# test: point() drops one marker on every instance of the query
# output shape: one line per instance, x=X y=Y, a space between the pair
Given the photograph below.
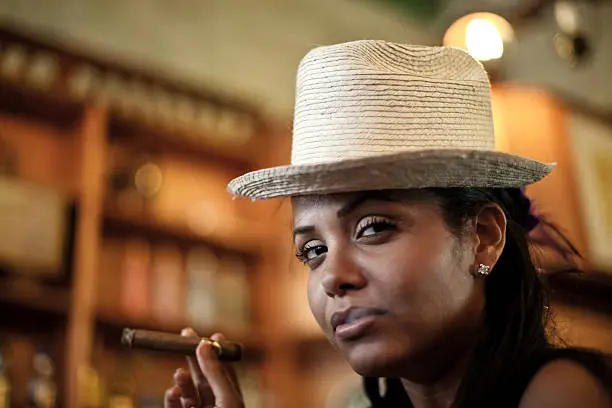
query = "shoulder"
x=565 y=383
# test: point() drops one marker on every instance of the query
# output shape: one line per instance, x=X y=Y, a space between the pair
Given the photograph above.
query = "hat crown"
x=368 y=98
x=374 y=115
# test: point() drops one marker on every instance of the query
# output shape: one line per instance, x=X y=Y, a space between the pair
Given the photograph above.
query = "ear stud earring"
x=483 y=270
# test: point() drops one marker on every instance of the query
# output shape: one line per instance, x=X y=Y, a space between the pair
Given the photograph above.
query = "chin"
x=375 y=359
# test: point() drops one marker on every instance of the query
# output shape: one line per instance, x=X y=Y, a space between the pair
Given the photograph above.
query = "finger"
x=196 y=373
x=189 y=395
x=229 y=368
x=224 y=390
x=204 y=394
x=172 y=398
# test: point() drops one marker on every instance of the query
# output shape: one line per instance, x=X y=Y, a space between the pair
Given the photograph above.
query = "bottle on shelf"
x=91 y=386
x=42 y=389
x=121 y=385
x=5 y=384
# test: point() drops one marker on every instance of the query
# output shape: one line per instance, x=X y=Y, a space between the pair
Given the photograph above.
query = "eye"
x=372 y=226
x=310 y=250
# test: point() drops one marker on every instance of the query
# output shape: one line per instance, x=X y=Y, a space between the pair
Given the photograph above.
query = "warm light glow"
x=481 y=34
x=567 y=16
x=483 y=40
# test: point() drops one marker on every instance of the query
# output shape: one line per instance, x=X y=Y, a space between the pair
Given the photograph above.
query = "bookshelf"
x=199 y=141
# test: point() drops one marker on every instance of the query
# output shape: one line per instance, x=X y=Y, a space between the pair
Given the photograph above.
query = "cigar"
x=177 y=344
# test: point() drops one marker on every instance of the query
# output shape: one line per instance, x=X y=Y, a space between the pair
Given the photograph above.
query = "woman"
x=415 y=232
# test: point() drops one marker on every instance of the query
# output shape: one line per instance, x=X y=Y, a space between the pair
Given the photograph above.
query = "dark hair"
x=516 y=312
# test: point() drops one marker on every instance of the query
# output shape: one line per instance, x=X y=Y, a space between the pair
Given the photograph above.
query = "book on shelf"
x=201 y=267
x=35 y=227
x=135 y=294
x=109 y=276
x=167 y=284
x=233 y=293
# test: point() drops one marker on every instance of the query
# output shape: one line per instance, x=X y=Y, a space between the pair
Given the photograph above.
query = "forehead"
x=321 y=200
x=309 y=203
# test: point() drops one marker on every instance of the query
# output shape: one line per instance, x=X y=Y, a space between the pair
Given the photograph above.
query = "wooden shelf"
x=157 y=139
x=59 y=103
x=118 y=222
x=82 y=53
x=32 y=294
x=22 y=101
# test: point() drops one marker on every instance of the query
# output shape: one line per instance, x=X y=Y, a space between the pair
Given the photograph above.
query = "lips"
x=353 y=314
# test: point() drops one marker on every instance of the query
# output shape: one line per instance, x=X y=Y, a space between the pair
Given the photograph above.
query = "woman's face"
x=389 y=283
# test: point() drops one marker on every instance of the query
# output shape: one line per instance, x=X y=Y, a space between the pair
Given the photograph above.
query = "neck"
x=440 y=391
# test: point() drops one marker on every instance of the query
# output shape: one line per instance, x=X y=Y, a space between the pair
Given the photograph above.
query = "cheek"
x=424 y=275
x=317 y=300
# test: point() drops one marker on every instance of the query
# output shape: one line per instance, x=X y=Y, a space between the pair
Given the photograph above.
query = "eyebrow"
x=347 y=209
x=303 y=230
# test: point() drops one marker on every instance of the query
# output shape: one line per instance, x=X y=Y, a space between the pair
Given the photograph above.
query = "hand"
x=208 y=383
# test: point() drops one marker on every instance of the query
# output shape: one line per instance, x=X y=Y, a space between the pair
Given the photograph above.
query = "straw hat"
x=374 y=115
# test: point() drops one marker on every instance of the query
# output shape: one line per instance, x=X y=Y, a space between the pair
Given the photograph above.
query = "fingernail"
x=186 y=331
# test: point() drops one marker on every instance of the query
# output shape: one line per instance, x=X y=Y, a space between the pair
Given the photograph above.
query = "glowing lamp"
x=482 y=35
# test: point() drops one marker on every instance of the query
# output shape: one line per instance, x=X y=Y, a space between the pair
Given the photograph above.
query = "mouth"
x=354 y=322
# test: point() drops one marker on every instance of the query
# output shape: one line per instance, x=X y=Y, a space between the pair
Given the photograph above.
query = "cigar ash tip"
x=127 y=337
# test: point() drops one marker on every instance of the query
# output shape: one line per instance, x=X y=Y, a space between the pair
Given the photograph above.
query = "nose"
x=342 y=274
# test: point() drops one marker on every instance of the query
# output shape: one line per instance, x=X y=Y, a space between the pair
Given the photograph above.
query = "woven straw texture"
x=372 y=115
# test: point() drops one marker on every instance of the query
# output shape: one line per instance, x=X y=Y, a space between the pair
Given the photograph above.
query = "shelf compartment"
x=31 y=294
x=20 y=100
x=119 y=222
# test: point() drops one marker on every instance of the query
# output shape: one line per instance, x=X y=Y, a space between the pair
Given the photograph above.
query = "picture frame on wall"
x=591 y=146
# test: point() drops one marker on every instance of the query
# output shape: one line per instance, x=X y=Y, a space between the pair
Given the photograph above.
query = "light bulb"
x=482 y=35
x=483 y=40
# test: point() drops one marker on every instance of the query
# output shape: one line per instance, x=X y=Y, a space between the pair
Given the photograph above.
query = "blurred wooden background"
x=129 y=225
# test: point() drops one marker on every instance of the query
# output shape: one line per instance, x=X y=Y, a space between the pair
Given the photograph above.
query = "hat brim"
x=405 y=170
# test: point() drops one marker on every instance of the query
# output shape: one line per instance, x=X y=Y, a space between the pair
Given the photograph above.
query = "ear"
x=490 y=227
